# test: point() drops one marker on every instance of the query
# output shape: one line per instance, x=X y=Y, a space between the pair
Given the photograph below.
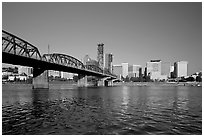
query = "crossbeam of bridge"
x=17 y=51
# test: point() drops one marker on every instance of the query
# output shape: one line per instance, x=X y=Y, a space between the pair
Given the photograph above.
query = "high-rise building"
x=154 y=69
x=133 y=70
x=172 y=75
x=117 y=70
x=181 y=69
x=124 y=70
x=130 y=71
x=140 y=73
x=165 y=68
x=109 y=62
x=100 y=55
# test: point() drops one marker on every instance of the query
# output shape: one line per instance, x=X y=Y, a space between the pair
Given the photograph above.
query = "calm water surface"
x=102 y=110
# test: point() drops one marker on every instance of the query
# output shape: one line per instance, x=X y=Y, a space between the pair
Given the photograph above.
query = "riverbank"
x=68 y=85
x=159 y=84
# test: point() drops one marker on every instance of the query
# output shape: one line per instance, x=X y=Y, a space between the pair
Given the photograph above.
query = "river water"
x=116 y=110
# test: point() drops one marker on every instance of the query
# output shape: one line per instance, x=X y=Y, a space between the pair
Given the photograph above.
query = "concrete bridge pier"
x=105 y=82
x=40 y=79
x=110 y=83
x=82 y=81
x=101 y=82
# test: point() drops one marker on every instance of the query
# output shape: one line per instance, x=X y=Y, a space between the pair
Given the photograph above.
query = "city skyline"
x=133 y=32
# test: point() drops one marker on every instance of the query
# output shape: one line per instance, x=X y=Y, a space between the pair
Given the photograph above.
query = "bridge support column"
x=110 y=83
x=101 y=82
x=82 y=81
x=40 y=79
x=105 y=82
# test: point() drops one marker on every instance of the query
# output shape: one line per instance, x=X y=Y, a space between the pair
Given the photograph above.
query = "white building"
x=124 y=70
x=54 y=73
x=27 y=70
x=181 y=69
x=154 y=69
x=67 y=75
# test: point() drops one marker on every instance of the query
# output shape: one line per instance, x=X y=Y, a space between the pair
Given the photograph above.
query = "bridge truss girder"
x=17 y=46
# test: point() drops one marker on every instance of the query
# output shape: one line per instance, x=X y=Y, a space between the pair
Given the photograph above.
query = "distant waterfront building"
x=109 y=62
x=172 y=72
x=100 y=54
x=124 y=70
x=117 y=70
x=140 y=73
x=134 y=70
x=92 y=62
x=130 y=71
x=86 y=59
x=27 y=70
x=67 y=75
x=181 y=69
x=54 y=73
x=165 y=69
x=154 y=69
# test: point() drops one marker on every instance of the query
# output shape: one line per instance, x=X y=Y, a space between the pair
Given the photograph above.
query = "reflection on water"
x=102 y=110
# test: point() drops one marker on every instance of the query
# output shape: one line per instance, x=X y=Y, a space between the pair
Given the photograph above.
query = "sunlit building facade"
x=154 y=69
x=181 y=69
x=134 y=70
x=124 y=70
x=117 y=70
x=109 y=62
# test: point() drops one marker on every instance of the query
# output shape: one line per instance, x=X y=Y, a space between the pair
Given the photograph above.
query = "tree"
x=127 y=79
x=198 y=79
x=190 y=79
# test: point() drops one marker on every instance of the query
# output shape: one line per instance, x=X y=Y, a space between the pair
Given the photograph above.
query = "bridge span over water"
x=17 y=51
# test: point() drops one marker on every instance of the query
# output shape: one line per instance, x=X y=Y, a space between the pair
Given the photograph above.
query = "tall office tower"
x=117 y=70
x=165 y=68
x=124 y=70
x=100 y=55
x=140 y=73
x=154 y=69
x=130 y=71
x=109 y=62
x=145 y=72
x=133 y=70
x=172 y=75
x=181 y=69
x=136 y=70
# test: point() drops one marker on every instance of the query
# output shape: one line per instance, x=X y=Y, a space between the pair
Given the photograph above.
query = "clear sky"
x=133 y=32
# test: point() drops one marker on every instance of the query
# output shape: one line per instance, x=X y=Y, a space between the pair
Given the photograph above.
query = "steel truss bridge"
x=17 y=51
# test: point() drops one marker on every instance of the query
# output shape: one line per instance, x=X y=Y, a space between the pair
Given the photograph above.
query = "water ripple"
x=111 y=112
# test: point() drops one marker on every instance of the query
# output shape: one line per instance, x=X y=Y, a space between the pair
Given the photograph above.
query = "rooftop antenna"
x=48 y=49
